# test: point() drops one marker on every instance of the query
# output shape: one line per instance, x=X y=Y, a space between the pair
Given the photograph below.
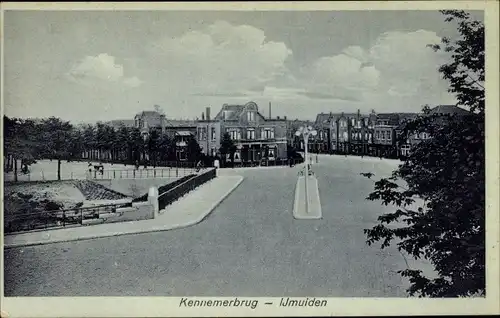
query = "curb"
x=153 y=229
x=297 y=200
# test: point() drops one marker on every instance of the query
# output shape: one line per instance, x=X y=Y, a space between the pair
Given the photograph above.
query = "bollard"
x=153 y=200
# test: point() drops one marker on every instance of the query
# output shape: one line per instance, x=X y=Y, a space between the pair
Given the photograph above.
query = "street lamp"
x=306 y=132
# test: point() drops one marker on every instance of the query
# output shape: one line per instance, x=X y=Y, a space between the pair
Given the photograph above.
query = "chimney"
x=202 y=116
x=207 y=110
x=269 y=110
x=285 y=117
x=277 y=117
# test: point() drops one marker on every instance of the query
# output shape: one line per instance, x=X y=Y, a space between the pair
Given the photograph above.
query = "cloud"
x=221 y=58
x=94 y=70
x=397 y=67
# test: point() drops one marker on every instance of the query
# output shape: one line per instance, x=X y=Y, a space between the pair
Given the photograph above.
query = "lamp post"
x=306 y=132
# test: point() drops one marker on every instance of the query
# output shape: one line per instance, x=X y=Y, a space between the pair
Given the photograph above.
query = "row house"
x=255 y=136
x=293 y=126
x=406 y=142
x=384 y=135
x=361 y=133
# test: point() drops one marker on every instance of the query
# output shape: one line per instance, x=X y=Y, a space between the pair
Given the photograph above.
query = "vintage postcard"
x=250 y=159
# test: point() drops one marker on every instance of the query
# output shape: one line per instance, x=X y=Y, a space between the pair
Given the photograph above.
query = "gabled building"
x=362 y=128
x=256 y=137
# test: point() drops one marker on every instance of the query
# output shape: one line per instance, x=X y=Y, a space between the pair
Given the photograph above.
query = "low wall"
x=138 y=211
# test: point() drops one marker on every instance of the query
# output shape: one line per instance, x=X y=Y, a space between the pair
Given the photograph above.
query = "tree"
x=227 y=146
x=20 y=142
x=57 y=139
x=89 y=140
x=153 y=146
x=136 y=143
x=446 y=173
x=193 y=150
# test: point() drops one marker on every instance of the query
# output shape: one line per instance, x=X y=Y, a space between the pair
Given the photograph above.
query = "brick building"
x=255 y=136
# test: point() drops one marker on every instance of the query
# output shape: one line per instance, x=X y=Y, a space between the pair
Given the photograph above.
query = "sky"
x=87 y=66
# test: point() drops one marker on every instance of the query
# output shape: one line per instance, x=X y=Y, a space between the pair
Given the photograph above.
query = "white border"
x=169 y=306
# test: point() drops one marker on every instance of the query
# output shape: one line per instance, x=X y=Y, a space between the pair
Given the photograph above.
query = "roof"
x=235 y=110
x=179 y=123
x=393 y=118
x=323 y=118
x=448 y=110
x=148 y=113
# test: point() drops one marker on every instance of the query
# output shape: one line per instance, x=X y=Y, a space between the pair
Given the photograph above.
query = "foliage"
x=193 y=150
x=447 y=173
x=227 y=147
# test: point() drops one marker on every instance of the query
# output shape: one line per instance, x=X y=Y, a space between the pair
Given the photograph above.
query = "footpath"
x=187 y=211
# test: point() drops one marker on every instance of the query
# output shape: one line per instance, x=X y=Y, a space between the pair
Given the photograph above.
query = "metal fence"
x=140 y=173
x=56 y=218
x=180 y=190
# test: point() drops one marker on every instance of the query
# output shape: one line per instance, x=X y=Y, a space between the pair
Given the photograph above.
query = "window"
x=345 y=135
x=251 y=134
x=383 y=135
x=251 y=116
x=370 y=137
x=214 y=134
x=389 y=137
x=267 y=133
x=377 y=134
x=353 y=122
x=204 y=133
x=234 y=134
x=213 y=152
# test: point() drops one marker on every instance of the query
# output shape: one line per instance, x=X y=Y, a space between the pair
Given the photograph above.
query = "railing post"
x=114 y=174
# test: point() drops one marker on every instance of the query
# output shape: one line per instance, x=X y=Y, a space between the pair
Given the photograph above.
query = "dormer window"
x=251 y=116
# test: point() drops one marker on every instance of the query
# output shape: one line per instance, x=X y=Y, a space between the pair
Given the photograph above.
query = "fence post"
x=134 y=174
x=81 y=216
x=64 y=218
x=154 y=173
x=114 y=174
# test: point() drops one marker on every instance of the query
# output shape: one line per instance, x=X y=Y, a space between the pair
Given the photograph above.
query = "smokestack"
x=207 y=110
x=270 y=110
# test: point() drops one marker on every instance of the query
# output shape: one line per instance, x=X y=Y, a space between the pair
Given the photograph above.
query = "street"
x=249 y=246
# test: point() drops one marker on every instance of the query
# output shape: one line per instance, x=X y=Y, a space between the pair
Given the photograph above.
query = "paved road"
x=249 y=246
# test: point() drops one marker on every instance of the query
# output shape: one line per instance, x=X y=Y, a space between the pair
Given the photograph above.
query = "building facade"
x=209 y=134
x=255 y=136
